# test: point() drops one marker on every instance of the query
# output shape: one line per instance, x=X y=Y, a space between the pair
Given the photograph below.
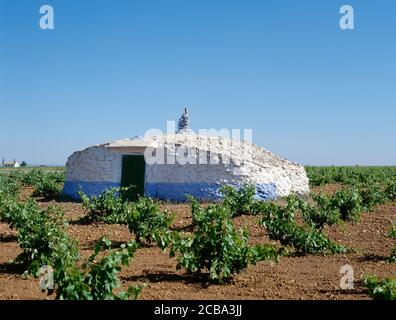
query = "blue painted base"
x=179 y=191
x=167 y=191
x=201 y=191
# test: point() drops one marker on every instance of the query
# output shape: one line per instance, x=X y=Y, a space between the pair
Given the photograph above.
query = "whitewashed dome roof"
x=233 y=148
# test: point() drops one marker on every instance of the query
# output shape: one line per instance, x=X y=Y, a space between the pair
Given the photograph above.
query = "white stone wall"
x=177 y=173
x=94 y=164
x=103 y=164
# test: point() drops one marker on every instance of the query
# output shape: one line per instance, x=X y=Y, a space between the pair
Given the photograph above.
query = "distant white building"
x=13 y=164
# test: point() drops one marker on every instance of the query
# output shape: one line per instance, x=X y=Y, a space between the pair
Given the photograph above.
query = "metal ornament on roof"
x=183 y=125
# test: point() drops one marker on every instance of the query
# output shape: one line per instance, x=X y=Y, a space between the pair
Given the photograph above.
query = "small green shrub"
x=48 y=188
x=95 y=280
x=217 y=247
x=390 y=191
x=281 y=226
x=9 y=186
x=195 y=209
x=372 y=194
x=349 y=204
x=9 y=207
x=148 y=222
x=272 y=210
x=239 y=200
x=32 y=177
x=39 y=234
x=107 y=207
x=392 y=234
x=381 y=289
x=46 y=184
x=319 y=215
x=143 y=217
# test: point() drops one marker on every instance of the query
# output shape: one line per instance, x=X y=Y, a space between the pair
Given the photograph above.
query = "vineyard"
x=106 y=247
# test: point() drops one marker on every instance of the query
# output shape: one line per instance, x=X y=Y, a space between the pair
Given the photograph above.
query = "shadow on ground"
x=12 y=268
x=201 y=279
x=8 y=238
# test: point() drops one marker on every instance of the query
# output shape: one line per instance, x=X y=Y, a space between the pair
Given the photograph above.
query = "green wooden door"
x=132 y=175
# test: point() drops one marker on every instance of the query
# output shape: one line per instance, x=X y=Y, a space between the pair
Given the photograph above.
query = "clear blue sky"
x=310 y=91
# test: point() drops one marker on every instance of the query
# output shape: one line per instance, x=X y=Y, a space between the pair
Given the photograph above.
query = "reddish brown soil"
x=328 y=188
x=295 y=277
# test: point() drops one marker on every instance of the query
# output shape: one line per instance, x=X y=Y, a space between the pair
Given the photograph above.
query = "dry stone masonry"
x=172 y=166
x=228 y=162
